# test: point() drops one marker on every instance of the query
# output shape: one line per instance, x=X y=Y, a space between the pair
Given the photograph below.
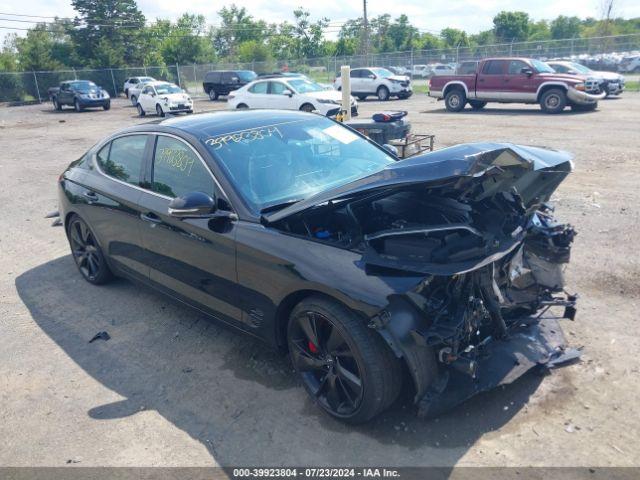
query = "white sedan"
x=162 y=98
x=133 y=85
x=292 y=93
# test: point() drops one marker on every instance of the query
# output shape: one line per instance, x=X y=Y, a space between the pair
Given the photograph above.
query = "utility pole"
x=366 y=32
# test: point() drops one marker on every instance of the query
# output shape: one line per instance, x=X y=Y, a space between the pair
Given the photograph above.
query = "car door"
x=277 y=98
x=258 y=95
x=519 y=86
x=192 y=259
x=490 y=80
x=65 y=94
x=356 y=80
x=147 y=98
x=110 y=201
x=367 y=81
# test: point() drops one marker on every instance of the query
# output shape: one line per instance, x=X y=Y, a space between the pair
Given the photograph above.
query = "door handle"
x=150 y=217
x=91 y=196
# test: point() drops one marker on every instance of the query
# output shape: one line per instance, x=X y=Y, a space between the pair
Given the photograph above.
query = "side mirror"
x=192 y=205
x=572 y=72
x=372 y=76
x=527 y=71
x=153 y=94
x=288 y=93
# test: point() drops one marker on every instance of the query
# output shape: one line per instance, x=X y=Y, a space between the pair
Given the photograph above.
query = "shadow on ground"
x=228 y=391
x=507 y=111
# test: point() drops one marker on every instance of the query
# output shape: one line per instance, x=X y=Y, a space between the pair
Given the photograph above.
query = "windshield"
x=283 y=162
x=382 y=72
x=84 y=86
x=580 y=68
x=146 y=79
x=246 y=75
x=166 y=88
x=301 y=85
x=542 y=67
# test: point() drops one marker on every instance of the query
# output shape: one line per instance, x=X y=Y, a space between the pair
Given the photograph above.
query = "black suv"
x=221 y=82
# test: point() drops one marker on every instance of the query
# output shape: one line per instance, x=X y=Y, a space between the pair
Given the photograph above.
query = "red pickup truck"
x=516 y=80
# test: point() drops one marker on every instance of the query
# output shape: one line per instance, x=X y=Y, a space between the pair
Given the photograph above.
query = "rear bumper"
x=578 y=97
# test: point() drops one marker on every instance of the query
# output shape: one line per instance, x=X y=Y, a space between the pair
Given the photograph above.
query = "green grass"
x=421 y=88
x=633 y=86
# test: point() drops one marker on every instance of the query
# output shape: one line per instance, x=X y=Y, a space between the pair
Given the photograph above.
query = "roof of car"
x=227 y=121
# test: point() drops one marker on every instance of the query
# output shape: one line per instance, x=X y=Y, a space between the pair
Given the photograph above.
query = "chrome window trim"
x=146 y=190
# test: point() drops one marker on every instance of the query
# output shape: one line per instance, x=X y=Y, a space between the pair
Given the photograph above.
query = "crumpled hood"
x=400 y=78
x=608 y=75
x=465 y=160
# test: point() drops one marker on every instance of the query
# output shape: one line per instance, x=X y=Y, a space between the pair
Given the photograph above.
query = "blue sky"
x=470 y=15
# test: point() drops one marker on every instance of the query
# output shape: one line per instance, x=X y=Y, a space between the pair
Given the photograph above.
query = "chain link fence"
x=597 y=52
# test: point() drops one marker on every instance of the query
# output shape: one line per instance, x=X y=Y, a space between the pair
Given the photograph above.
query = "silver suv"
x=377 y=81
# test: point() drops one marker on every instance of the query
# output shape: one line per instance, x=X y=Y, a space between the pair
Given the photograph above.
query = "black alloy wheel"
x=86 y=252
x=346 y=367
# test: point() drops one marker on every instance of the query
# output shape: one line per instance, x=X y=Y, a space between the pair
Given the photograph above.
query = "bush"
x=11 y=87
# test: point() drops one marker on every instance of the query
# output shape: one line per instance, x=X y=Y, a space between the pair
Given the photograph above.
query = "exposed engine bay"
x=485 y=239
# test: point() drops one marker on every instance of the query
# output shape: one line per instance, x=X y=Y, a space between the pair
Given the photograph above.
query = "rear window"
x=246 y=75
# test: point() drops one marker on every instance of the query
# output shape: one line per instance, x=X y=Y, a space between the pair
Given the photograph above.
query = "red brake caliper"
x=312 y=347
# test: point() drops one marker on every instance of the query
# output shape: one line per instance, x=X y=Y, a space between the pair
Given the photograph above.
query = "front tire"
x=553 y=101
x=159 y=110
x=213 y=95
x=307 y=107
x=242 y=106
x=383 y=93
x=454 y=100
x=141 y=111
x=362 y=98
x=346 y=367
x=87 y=253
x=106 y=106
x=134 y=100
x=56 y=104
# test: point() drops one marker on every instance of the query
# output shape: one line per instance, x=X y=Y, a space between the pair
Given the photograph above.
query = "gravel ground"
x=172 y=388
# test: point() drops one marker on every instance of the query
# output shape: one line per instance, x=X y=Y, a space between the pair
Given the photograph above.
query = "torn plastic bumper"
x=530 y=344
x=583 y=98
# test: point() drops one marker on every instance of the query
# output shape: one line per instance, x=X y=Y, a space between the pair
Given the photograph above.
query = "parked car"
x=610 y=82
x=422 y=71
x=134 y=90
x=289 y=93
x=468 y=67
x=377 y=81
x=441 y=69
x=516 y=80
x=79 y=94
x=299 y=231
x=221 y=82
x=135 y=83
x=162 y=98
x=630 y=64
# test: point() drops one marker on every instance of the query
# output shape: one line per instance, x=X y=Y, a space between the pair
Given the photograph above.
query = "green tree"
x=511 y=26
x=539 y=31
x=187 y=41
x=9 y=54
x=35 y=50
x=402 y=33
x=253 y=50
x=237 y=26
x=452 y=37
x=565 y=27
x=116 y=23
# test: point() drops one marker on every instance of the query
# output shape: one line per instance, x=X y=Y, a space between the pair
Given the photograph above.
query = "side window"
x=277 y=88
x=516 y=66
x=493 y=67
x=560 y=68
x=365 y=73
x=227 y=77
x=355 y=73
x=214 y=77
x=134 y=81
x=123 y=157
x=177 y=170
x=260 y=87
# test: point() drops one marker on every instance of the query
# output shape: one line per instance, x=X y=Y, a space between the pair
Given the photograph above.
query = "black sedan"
x=369 y=271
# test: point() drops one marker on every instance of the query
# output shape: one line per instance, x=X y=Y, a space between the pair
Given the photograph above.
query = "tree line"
x=115 y=33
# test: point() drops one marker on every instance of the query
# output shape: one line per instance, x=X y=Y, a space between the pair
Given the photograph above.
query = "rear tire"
x=362 y=98
x=455 y=100
x=553 y=101
x=87 y=253
x=141 y=111
x=347 y=369
x=56 y=104
x=134 y=100
x=383 y=93
x=307 y=107
x=242 y=106
x=213 y=95
x=477 y=104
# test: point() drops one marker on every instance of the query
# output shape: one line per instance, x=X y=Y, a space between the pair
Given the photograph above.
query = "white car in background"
x=133 y=85
x=442 y=69
x=289 y=93
x=162 y=98
x=377 y=81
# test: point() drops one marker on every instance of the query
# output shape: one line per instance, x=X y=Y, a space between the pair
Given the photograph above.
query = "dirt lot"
x=173 y=388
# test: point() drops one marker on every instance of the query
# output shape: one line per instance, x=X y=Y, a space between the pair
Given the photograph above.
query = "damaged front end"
x=475 y=223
